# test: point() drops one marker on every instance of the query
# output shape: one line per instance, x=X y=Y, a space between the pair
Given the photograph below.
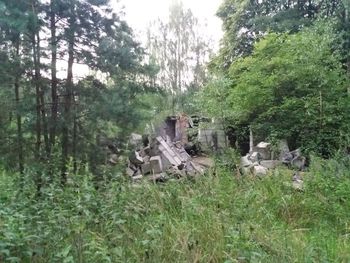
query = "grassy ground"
x=216 y=218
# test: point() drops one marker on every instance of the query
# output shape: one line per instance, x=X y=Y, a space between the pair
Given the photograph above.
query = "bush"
x=219 y=218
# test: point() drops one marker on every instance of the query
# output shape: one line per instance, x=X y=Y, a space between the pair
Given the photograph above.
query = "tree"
x=13 y=27
x=293 y=86
x=245 y=21
x=47 y=111
x=179 y=50
x=52 y=11
x=90 y=29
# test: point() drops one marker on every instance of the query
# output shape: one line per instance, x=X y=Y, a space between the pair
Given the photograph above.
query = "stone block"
x=255 y=157
x=298 y=162
x=146 y=168
x=264 y=149
x=137 y=177
x=135 y=139
x=135 y=158
x=283 y=146
x=270 y=164
x=247 y=170
x=245 y=162
x=296 y=153
x=156 y=164
x=130 y=172
x=286 y=157
x=212 y=138
x=264 y=145
x=260 y=170
x=113 y=159
x=145 y=151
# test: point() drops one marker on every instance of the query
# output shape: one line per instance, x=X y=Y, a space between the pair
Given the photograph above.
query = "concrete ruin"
x=165 y=156
x=261 y=159
x=170 y=152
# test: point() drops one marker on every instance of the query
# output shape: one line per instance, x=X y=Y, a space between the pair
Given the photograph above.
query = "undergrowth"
x=215 y=218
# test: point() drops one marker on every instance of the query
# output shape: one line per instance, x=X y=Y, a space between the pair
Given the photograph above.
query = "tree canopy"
x=245 y=21
x=51 y=116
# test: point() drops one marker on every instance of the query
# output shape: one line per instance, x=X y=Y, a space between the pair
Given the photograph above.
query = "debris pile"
x=166 y=152
x=161 y=160
x=260 y=159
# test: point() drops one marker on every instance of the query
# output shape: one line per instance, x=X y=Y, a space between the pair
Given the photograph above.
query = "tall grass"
x=215 y=218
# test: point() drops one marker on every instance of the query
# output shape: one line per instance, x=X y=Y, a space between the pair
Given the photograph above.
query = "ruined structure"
x=165 y=154
x=261 y=158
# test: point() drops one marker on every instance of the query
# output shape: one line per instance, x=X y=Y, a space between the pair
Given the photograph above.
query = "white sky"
x=139 y=13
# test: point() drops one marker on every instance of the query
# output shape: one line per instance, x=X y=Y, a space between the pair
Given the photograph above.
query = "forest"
x=76 y=82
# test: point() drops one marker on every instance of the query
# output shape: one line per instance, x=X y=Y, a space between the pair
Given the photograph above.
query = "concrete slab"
x=270 y=164
x=146 y=168
x=156 y=164
x=260 y=170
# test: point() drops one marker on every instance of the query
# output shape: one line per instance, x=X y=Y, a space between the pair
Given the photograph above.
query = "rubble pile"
x=261 y=159
x=165 y=153
x=161 y=160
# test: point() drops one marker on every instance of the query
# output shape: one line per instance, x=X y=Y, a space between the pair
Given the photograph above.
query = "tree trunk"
x=18 y=115
x=68 y=101
x=36 y=80
x=346 y=21
x=37 y=101
x=75 y=140
x=54 y=96
x=251 y=140
x=42 y=98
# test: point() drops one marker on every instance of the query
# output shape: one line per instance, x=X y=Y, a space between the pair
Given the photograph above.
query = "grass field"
x=215 y=218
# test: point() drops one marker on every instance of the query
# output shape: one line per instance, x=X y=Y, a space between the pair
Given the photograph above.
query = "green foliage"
x=292 y=86
x=216 y=218
x=40 y=111
x=212 y=99
x=245 y=22
x=179 y=50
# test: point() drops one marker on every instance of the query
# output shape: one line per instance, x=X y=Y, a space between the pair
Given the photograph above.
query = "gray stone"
x=270 y=164
x=286 y=158
x=145 y=151
x=203 y=161
x=130 y=172
x=264 y=145
x=136 y=159
x=260 y=170
x=113 y=159
x=170 y=153
x=247 y=170
x=245 y=162
x=146 y=168
x=297 y=182
x=263 y=148
x=283 y=146
x=255 y=157
x=212 y=138
x=296 y=153
x=298 y=185
x=176 y=173
x=146 y=159
x=156 y=164
x=196 y=168
x=137 y=177
x=283 y=149
x=298 y=162
x=135 y=139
